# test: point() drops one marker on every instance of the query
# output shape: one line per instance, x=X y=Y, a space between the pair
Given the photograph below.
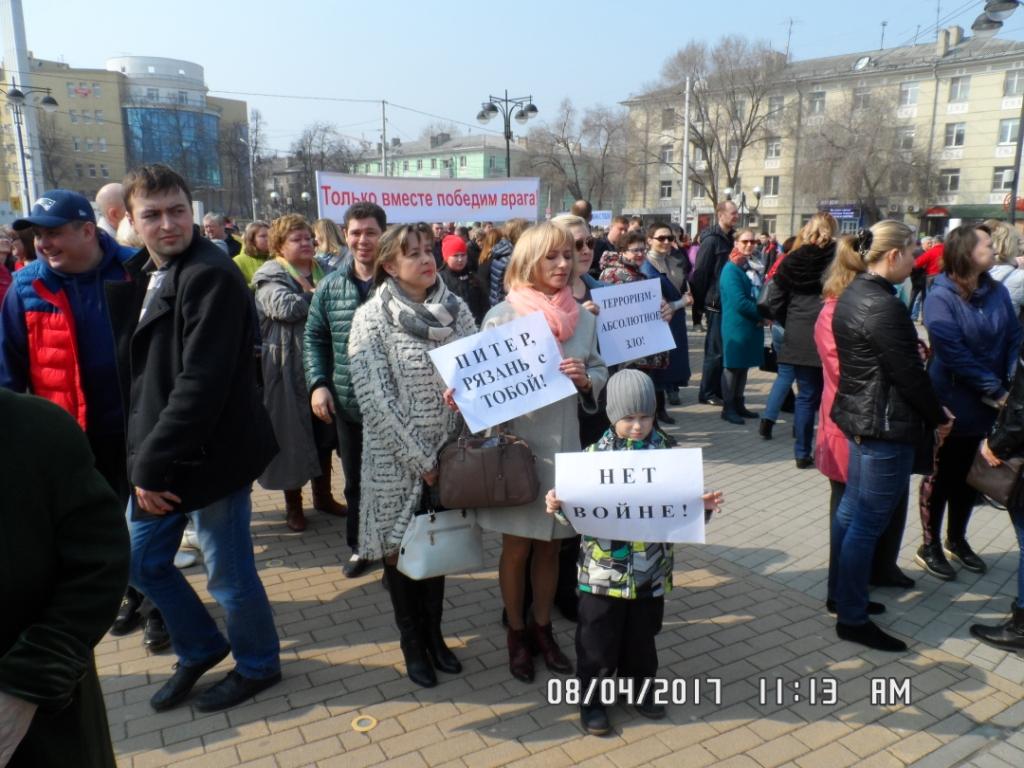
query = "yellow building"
x=951 y=110
x=136 y=110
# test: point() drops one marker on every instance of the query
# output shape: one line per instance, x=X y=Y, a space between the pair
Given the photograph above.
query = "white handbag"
x=440 y=544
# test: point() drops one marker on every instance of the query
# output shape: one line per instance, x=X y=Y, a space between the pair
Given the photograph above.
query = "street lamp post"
x=252 y=177
x=305 y=203
x=741 y=202
x=16 y=102
x=520 y=108
x=274 y=198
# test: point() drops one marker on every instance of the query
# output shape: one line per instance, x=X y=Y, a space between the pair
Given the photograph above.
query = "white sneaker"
x=191 y=539
x=184 y=560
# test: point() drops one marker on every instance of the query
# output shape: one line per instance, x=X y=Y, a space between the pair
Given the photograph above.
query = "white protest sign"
x=629 y=325
x=408 y=200
x=633 y=495
x=504 y=371
x=602 y=219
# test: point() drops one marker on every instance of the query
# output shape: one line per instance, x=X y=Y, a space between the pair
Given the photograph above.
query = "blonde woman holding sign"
x=405 y=424
x=538 y=279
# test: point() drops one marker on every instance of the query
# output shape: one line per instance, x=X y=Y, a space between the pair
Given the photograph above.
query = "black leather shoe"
x=962 y=553
x=896 y=578
x=930 y=557
x=651 y=710
x=733 y=418
x=232 y=690
x=1008 y=636
x=177 y=688
x=155 y=637
x=805 y=463
x=673 y=397
x=764 y=428
x=745 y=413
x=128 y=617
x=711 y=400
x=870 y=635
x=594 y=719
x=354 y=567
x=664 y=418
x=873 y=608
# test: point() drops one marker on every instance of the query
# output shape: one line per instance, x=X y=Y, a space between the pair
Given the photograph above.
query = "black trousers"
x=350 y=450
x=711 y=377
x=616 y=637
x=950 y=490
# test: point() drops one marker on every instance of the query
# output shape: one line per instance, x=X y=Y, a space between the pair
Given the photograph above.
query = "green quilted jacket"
x=325 y=352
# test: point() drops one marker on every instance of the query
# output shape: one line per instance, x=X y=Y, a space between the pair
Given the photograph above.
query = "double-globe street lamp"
x=518 y=108
x=741 y=202
x=17 y=100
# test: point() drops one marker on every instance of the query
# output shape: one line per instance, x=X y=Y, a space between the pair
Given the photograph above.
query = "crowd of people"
x=181 y=364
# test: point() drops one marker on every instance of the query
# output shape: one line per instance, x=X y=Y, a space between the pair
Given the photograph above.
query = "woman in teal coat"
x=742 y=328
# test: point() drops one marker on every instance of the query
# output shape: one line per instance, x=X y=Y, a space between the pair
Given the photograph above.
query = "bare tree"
x=439 y=126
x=864 y=153
x=731 y=107
x=55 y=151
x=234 y=167
x=321 y=148
x=582 y=155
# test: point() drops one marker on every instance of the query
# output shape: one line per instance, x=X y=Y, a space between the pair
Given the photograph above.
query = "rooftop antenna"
x=916 y=33
x=789 y=37
x=881 y=45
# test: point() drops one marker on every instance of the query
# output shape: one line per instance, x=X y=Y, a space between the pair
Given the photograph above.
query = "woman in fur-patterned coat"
x=405 y=424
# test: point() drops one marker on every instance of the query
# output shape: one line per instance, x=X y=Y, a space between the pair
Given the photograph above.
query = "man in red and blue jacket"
x=56 y=340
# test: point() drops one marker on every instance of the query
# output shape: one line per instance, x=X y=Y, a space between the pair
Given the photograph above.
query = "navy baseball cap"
x=55 y=209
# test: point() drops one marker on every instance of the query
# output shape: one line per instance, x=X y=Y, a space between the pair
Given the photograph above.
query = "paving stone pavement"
x=748 y=606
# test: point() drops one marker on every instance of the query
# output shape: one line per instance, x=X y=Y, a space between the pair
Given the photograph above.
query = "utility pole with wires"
x=881 y=45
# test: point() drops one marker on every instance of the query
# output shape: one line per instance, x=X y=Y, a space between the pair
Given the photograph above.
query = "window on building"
x=949 y=180
x=77 y=143
x=905 y=138
x=960 y=88
x=183 y=97
x=90 y=145
x=1008 y=130
x=446 y=163
x=775 y=105
x=433 y=163
x=816 y=103
x=73 y=115
x=899 y=181
x=378 y=167
x=153 y=94
x=462 y=161
x=92 y=171
x=78 y=170
x=955 y=134
x=908 y=93
x=773 y=148
x=861 y=98
x=490 y=162
x=104 y=171
x=697 y=189
x=97 y=90
x=1002 y=179
x=1013 y=83
x=769 y=224
x=733 y=151
x=86 y=116
x=739 y=109
x=667 y=154
x=771 y=186
x=103 y=145
x=419 y=164
x=99 y=115
x=71 y=90
x=665 y=191
x=668 y=119
x=698 y=154
x=405 y=165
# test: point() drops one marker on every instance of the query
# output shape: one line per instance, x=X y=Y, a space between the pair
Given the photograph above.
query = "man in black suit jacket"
x=197 y=436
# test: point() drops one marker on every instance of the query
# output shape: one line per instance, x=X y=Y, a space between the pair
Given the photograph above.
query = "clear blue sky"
x=446 y=57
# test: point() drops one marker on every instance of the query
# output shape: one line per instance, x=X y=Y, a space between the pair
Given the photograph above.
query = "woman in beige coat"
x=537 y=279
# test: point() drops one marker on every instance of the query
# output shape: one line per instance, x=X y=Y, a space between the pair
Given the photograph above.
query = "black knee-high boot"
x=432 y=604
x=404 y=594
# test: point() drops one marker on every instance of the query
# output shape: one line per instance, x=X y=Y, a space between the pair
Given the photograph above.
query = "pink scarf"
x=561 y=310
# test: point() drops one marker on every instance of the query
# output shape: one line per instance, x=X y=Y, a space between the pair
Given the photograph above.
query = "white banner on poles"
x=629 y=325
x=633 y=495
x=504 y=371
x=409 y=200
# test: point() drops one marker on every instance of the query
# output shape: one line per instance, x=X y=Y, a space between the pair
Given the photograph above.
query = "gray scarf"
x=433 y=319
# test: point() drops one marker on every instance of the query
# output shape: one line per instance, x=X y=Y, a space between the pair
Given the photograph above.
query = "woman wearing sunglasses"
x=742 y=328
x=668 y=264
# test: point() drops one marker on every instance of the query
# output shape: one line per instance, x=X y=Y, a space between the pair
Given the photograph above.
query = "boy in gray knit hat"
x=622 y=584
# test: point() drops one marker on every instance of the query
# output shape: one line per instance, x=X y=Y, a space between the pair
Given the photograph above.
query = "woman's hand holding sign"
x=576 y=370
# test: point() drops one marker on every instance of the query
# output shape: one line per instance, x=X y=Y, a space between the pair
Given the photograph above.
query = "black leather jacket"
x=884 y=391
x=715 y=246
x=1008 y=435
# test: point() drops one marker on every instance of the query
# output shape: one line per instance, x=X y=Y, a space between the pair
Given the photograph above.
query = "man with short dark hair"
x=197 y=436
x=325 y=356
x=715 y=246
x=610 y=242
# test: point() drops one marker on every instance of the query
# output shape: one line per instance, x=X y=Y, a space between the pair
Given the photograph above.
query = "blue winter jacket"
x=500 y=255
x=974 y=349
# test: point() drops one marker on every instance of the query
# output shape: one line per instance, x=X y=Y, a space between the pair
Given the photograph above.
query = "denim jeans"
x=226 y=544
x=809 y=383
x=1017 y=518
x=711 y=377
x=878 y=481
x=784 y=379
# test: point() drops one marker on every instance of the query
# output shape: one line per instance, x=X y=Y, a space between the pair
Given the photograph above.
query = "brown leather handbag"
x=1002 y=484
x=479 y=472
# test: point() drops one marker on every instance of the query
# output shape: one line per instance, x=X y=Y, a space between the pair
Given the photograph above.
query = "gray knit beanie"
x=630 y=391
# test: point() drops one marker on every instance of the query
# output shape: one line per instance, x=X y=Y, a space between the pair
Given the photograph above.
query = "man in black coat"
x=197 y=436
x=715 y=246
